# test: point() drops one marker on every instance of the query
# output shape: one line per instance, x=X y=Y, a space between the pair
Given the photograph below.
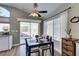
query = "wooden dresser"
x=69 y=47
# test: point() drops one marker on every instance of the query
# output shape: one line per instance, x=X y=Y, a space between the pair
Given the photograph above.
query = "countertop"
x=5 y=35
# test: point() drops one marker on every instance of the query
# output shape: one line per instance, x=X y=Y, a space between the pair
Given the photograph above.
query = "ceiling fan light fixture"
x=34 y=14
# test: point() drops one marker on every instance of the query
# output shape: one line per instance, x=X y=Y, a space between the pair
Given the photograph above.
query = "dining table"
x=32 y=43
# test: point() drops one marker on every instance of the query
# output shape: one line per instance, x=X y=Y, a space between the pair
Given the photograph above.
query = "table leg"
x=52 y=48
x=27 y=51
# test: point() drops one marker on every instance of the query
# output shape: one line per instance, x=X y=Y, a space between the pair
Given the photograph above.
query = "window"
x=45 y=28
x=4 y=12
x=50 y=27
x=29 y=29
x=25 y=28
x=56 y=27
x=34 y=29
x=4 y=27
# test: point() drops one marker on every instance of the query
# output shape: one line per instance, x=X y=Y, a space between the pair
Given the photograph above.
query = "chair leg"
x=29 y=54
x=42 y=52
x=50 y=51
x=39 y=53
x=46 y=51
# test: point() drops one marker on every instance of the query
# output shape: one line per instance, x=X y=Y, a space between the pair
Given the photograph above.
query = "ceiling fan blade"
x=39 y=15
x=42 y=11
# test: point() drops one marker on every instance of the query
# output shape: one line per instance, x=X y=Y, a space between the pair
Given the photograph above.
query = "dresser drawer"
x=67 y=42
x=66 y=52
x=68 y=47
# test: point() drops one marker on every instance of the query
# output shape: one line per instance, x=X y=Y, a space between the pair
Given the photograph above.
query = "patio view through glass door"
x=28 y=29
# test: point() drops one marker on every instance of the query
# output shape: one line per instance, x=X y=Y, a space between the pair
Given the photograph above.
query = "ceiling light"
x=34 y=13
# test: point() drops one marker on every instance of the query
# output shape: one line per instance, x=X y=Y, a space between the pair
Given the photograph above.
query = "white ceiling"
x=27 y=7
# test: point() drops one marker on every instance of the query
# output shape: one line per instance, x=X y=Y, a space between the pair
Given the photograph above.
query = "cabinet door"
x=10 y=42
x=3 y=43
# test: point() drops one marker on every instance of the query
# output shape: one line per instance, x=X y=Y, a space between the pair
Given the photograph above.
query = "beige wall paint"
x=74 y=26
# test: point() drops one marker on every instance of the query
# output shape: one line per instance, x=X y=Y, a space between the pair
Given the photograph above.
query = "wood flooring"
x=21 y=51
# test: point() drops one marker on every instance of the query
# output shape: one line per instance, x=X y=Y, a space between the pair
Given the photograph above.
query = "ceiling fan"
x=35 y=12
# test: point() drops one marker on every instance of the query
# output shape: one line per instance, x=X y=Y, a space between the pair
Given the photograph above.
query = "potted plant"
x=69 y=33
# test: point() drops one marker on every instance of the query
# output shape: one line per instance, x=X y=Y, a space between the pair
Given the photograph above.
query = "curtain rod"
x=58 y=13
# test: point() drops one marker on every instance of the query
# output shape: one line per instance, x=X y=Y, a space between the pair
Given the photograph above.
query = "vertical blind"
x=29 y=28
x=56 y=27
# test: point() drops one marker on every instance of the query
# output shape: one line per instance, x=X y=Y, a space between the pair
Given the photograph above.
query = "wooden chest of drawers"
x=68 y=47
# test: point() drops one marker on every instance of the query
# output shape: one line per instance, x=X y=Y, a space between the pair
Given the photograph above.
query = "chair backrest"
x=37 y=37
x=26 y=42
x=51 y=38
x=47 y=37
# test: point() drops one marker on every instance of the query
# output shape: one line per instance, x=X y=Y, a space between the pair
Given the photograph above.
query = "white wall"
x=74 y=26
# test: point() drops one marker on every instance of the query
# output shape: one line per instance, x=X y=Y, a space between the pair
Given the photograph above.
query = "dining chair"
x=48 y=38
x=45 y=47
x=37 y=38
x=32 y=50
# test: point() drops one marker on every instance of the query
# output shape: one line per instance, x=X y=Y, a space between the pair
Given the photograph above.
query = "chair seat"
x=34 y=49
x=45 y=47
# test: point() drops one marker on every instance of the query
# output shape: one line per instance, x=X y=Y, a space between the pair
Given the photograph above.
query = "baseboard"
x=23 y=44
x=16 y=45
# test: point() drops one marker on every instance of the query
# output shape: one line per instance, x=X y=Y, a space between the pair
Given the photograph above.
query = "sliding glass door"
x=28 y=29
x=50 y=27
x=34 y=29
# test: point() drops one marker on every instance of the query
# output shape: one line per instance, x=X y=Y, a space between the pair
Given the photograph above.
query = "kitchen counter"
x=5 y=42
x=5 y=35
